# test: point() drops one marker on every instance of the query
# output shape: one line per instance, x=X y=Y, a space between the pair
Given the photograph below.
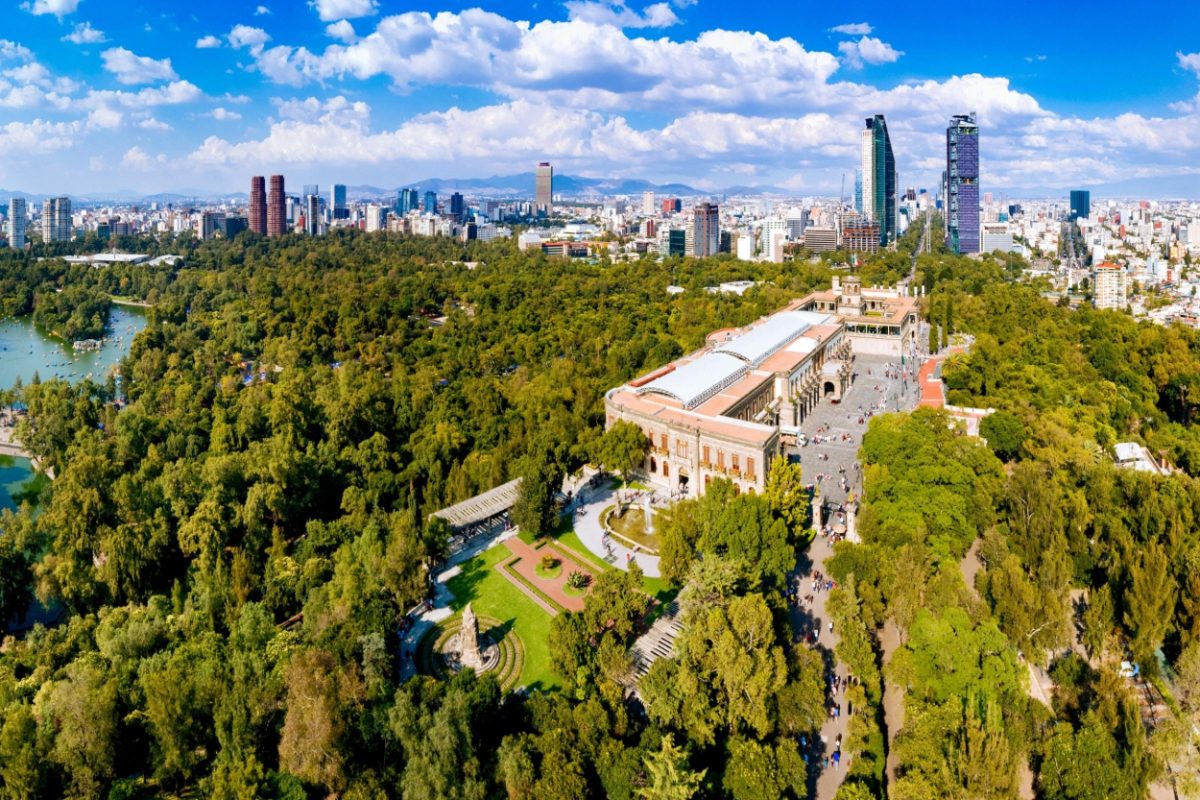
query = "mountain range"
x=520 y=185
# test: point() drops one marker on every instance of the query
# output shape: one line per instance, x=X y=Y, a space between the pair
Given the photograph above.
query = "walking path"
x=442 y=598
x=828 y=780
x=872 y=391
x=590 y=502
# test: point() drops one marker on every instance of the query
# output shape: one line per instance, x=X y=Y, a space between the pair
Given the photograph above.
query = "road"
x=870 y=390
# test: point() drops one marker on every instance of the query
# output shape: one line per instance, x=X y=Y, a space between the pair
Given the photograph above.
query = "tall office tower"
x=375 y=218
x=56 y=219
x=337 y=202
x=409 y=201
x=258 y=205
x=430 y=206
x=16 y=223
x=706 y=230
x=276 y=207
x=879 y=178
x=312 y=215
x=458 y=208
x=858 y=191
x=962 y=184
x=544 y=196
x=648 y=203
x=1081 y=204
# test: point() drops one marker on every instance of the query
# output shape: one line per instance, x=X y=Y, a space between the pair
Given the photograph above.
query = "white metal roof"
x=757 y=344
x=693 y=383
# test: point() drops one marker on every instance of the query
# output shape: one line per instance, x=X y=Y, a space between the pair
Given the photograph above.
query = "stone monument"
x=817 y=522
x=468 y=641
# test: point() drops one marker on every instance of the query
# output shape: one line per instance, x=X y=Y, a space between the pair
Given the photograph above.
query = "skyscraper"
x=430 y=205
x=544 y=196
x=337 y=202
x=706 y=230
x=56 y=219
x=16 y=223
x=258 y=205
x=1081 y=204
x=858 y=191
x=879 y=178
x=276 y=207
x=457 y=207
x=312 y=215
x=962 y=184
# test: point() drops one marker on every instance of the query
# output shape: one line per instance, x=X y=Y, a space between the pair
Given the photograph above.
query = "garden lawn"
x=492 y=595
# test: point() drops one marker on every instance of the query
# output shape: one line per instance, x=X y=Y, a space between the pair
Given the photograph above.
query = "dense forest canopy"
x=233 y=535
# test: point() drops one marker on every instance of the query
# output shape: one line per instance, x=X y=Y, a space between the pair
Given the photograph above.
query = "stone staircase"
x=656 y=643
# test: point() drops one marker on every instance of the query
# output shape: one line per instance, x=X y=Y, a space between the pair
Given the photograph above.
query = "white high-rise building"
x=56 y=219
x=375 y=218
x=648 y=203
x=995 y=236
x=16 y=223
x=1108 y=286
x=868 y=172
x=776 y=240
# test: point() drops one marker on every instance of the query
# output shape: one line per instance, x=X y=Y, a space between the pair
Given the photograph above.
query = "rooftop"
x=694 y=382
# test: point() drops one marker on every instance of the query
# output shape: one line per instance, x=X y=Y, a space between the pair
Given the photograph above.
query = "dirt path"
x=893 y=696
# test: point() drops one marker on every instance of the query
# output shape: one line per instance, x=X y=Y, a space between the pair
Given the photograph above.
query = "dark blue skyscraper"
x=962 y=184
x=430 y=202
x=1081 y=204
x=879 y=178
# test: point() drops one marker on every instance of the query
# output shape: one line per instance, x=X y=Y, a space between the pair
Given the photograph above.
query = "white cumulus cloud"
x=59 y=8
x=84 y=33
x=619 y=15
x=249 y=37
x=11 y=51
x=868 y=50
x=1189 y=61
x=138 y=159
x=330 y=10
x=341 y=30
x=853 y=28
x=208 y=42
x=130 y=68
x=224 y=114
x=261 y=11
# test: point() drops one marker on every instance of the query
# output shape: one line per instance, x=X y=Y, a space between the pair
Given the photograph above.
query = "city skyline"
x=698 y=92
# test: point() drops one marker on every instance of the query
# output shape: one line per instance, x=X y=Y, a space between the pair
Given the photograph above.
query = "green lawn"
x=655 y=587
x=491 y=594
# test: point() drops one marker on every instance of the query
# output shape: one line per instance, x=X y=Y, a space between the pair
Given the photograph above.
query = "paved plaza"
x=880 y=385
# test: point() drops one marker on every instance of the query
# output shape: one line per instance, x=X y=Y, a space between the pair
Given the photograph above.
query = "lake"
x=24 y=350
x=14 y=473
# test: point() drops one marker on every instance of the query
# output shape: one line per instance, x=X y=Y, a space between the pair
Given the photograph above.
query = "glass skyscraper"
x=1081 y=204
x=879 y=178
x=962 y=184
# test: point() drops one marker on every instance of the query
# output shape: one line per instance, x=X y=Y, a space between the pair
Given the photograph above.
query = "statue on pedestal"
x=468 y=641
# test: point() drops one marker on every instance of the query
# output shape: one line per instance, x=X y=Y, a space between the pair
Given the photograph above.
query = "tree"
x=1148 y=604
x=786 y=494
x=535 y=510
x=623 y=449
x=320 y=696
x=669 y=776
x=762 y=771
x=933 y=337
x=1005 y=434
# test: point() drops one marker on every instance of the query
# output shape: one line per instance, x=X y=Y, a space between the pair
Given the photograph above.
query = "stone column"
x=851 y=525
x=816 y=511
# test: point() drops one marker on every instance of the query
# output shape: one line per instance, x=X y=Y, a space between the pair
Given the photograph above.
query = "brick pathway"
x=527 y=568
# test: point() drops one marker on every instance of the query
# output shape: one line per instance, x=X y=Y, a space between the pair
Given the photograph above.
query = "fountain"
x=649 y=512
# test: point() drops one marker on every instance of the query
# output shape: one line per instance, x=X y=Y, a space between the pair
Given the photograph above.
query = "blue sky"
x=166 y=96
